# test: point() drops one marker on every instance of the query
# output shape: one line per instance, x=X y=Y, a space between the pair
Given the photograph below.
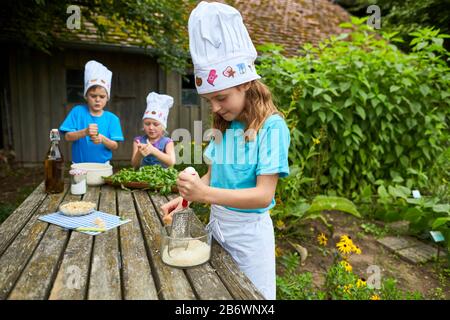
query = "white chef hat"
x=96 y=74
x=158 y=106
x=222 y=52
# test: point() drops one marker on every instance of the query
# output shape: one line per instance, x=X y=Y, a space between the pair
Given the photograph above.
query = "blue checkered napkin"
x=86 y=221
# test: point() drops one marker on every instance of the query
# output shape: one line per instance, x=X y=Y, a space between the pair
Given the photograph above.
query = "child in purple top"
x=153 y=148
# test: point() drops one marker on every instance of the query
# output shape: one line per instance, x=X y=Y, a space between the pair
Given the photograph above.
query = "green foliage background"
x=157 y=25
x=373 y=112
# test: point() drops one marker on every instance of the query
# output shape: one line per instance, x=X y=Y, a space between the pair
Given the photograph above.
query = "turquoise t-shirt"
x=84 y=150
x=235 y=164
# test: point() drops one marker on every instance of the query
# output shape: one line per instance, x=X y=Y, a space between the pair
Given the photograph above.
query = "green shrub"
x=340 y=284
x=424 y=214
x=296 y=286
x=380 y=113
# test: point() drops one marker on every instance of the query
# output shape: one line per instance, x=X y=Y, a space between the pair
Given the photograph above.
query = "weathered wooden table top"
x=44 y=261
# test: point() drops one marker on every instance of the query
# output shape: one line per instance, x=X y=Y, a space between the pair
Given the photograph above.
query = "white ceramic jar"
x=78 y=181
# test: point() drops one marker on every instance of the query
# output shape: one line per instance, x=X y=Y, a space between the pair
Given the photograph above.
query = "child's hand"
x=151 y=147
x=92 y=130
x=169 y=208
x=143 y=149
x=190 y=186
x=146 y=148
x=98 y=139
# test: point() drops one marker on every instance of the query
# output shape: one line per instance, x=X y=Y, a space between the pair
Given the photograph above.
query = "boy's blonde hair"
x=258 y=107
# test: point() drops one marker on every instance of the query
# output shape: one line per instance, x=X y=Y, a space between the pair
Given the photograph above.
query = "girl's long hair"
x=258 y=107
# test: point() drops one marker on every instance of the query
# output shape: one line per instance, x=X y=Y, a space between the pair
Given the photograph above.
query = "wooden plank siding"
x=39 y=100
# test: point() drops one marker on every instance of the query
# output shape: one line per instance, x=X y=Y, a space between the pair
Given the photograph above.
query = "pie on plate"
x=77 y=208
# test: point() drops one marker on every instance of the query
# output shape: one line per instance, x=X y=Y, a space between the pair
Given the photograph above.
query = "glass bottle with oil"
x=54 y=165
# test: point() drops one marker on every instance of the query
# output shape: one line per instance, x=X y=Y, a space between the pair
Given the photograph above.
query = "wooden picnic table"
x=44 y=261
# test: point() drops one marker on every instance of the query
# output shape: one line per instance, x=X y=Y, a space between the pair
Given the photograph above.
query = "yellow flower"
x=360 y=283
x=280 y=224
x=345 y=238
x=356 y=249
x=375 y=297
x=278 y=252
x=316 y=140
x=347 y=288
x=278 y=200
x=348 y=267
x=322 y=239
x=344 y=247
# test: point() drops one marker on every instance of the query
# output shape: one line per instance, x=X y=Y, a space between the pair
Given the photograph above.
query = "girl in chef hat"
x=95 y=133
x=249 y=152
x=154 y=148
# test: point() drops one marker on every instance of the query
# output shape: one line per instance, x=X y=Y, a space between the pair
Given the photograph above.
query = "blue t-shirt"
x=84 y=150
x=235 y=164
x=160 y=145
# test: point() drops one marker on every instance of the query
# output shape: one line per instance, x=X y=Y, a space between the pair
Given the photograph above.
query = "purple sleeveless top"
x=160 y=145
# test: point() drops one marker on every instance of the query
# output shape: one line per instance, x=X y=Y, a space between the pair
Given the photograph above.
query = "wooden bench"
x=44 y=261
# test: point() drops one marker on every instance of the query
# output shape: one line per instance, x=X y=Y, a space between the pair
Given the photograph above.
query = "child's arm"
x=192 y=189
x=110 y=144
x=136 y=157
x=115 y=134
x=91 y=130
x=251 y=198
x=167 y=157
x=76 y=135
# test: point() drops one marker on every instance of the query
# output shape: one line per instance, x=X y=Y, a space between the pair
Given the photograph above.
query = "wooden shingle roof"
x=290 y=23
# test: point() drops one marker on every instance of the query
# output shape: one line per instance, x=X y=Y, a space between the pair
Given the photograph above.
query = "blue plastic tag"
x=437 y=236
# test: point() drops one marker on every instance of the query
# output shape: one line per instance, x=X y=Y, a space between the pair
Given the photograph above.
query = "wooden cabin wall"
x=39 y=102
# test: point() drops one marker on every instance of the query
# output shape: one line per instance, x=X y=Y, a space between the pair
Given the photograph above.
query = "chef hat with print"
x=96 y=74
x=158 y=106
x=222 y=52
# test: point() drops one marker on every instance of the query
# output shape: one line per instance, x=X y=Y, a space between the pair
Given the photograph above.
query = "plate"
x=77 y=208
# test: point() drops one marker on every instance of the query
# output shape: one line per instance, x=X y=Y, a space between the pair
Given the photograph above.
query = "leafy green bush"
x=340 y=284
x=296 y=286
x=394 y=202
x=293 y=214
x=294 y=209
x=380 y=113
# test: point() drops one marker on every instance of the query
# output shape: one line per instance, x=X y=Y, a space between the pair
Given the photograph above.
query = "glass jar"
x=78 y=181
x=185 y=252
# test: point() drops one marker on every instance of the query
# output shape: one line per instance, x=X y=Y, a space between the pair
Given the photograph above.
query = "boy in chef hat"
x=154 y=148
x=93 y=131
x=241 y=193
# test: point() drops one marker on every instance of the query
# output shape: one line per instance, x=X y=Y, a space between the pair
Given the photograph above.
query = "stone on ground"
x=409 y=249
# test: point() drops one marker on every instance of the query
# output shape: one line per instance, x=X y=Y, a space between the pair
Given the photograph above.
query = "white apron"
x=249 y=239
